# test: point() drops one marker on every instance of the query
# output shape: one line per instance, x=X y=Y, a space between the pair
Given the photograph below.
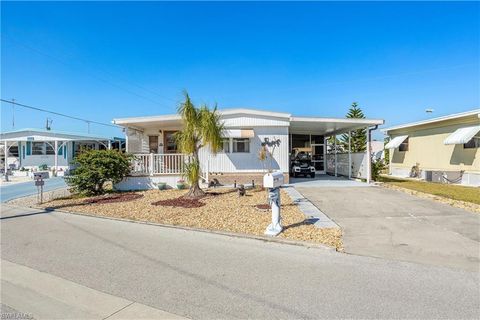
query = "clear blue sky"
x=105 y=60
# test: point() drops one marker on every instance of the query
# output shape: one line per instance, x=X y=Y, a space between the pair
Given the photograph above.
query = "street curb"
x=217 y=232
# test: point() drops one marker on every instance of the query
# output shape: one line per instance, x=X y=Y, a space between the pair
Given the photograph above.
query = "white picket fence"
x=162 y=164
x=155 y=163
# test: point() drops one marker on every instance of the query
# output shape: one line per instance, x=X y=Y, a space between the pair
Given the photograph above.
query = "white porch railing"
x=155 y=163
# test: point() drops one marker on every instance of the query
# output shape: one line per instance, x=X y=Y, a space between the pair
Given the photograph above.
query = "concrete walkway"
x=385 y=223
x=208 y=276
x=18 y=190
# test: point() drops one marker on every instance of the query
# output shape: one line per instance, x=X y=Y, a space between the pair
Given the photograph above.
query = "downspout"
x=369 y=154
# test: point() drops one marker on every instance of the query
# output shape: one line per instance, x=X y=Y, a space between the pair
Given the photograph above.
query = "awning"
x=239 y=133
x=462 y=135
x=395 y=142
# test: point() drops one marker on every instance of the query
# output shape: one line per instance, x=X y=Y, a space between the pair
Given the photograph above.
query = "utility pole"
x=13 y=113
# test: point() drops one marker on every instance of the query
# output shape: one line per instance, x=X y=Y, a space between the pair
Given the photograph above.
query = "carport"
x=32 y=147
x=312 y=133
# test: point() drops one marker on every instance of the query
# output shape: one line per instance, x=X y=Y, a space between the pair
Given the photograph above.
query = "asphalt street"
x=205 y=276
x=18 y=190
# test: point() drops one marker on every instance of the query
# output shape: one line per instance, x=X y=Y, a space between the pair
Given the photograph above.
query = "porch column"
x=6 y=162
x=126 y=140
x=335 y=150
x=349 y=154
x=56 y=156
x=109 y=144
x=66 y=154
x=151 y=164
x=369 y=156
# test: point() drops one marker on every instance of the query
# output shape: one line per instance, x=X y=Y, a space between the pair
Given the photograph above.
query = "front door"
x=318 y=158
x=153 y=144
x=169 y=143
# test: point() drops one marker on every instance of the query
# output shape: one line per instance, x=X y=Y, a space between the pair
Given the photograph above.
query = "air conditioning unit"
x=428 y=176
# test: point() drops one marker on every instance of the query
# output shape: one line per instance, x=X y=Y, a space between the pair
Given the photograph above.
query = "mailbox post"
x=273 y=181
x=39 y=183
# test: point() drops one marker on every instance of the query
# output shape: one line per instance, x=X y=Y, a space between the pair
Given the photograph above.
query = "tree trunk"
x=195 y=190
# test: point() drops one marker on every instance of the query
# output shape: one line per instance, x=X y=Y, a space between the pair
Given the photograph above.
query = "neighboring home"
x=445 y=149
x=151 y=138
x=378 y=150
x=31 y=148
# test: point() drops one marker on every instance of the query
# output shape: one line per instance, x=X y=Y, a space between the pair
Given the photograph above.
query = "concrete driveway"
x=385 y=223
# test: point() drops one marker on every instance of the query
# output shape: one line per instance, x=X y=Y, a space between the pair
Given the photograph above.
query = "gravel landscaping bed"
x=221 y=209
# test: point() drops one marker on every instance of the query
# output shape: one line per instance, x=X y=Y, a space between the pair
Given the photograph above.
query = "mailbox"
x=40 y=175
x=273 y=180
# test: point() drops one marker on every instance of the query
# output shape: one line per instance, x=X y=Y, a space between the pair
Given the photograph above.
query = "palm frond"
x=192 y=171
x=211 y=128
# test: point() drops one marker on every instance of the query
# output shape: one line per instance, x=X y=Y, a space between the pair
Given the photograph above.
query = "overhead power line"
x=93 y=75
x=87 y=121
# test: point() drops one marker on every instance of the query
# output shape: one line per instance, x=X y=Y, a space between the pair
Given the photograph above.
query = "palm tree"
x=201 y=127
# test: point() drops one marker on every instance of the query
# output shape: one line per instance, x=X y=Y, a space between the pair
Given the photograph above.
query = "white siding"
x=264 y=127
x=257 y=121
x=249 y=162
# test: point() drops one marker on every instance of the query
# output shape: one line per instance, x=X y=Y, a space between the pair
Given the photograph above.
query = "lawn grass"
x=455 y=192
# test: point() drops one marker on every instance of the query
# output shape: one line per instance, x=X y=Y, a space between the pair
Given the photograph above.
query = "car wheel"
x=312 y=175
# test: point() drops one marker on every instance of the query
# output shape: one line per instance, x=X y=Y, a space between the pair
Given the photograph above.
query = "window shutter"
x=65 y=151
x=29 y=148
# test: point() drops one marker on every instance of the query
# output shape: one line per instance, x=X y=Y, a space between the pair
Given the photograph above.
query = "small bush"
x=377 y=167
x=94 y=168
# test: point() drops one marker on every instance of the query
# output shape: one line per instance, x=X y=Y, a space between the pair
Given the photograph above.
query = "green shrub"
x=377 y=167
x=94 y=168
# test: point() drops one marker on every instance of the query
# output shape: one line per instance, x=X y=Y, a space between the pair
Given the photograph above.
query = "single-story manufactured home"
x=444 y=149
x=29 y=149
x=151 y=138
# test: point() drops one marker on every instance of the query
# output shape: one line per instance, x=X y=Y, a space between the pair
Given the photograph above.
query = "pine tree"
x=359 y=137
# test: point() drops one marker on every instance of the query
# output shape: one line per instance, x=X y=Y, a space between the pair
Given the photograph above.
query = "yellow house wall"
x=426 y=148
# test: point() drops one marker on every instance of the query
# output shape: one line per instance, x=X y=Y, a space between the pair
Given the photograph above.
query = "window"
x=241 y=145
x=403 y=146
x=38 y=148
x=316 y=139
x=226 y=145
x=473 y=143
x=49 y=148
x=301 y=141
x=170 y=145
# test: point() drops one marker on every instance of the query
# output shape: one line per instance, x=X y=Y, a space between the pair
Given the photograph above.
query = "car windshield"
x=302 y=156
